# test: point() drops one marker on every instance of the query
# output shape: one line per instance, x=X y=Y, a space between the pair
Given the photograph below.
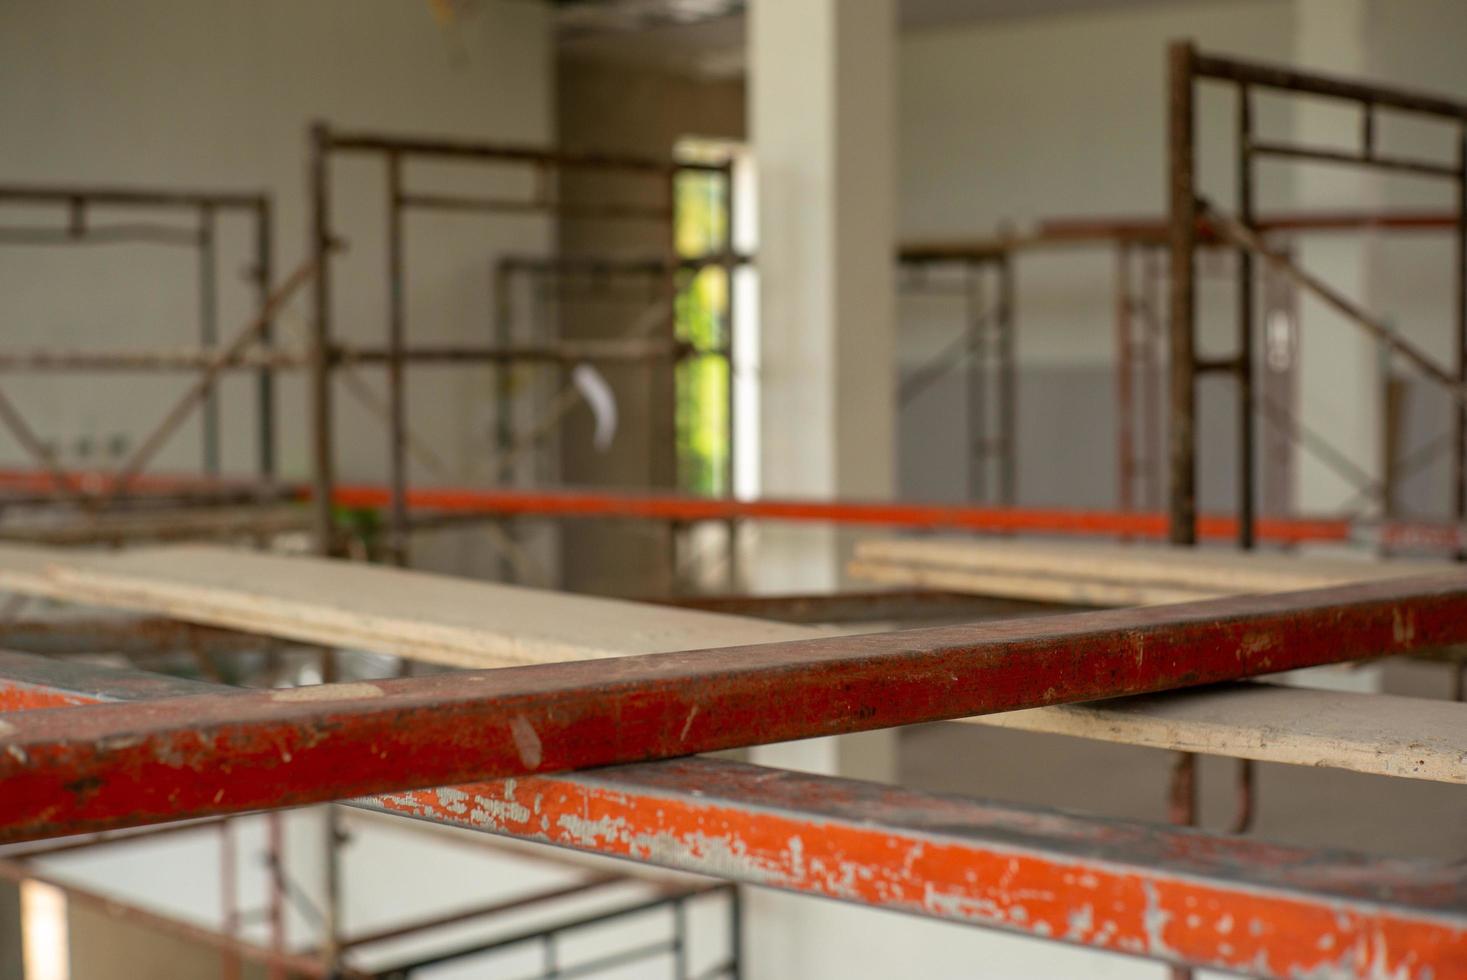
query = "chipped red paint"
x=1177 y=895
x=114 y=765
x=1181 y=895
x=20 y=697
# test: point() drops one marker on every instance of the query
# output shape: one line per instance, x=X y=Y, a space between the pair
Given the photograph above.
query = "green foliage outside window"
x=702 y=314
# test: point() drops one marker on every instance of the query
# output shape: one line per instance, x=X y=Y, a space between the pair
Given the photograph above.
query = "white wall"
x=167 y=92
x=1030 y=118
x=1417 y=44
x=1024 y=119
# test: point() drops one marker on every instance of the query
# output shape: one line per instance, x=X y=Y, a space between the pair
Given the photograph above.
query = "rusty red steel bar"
x=1184 y=896
x=1178 y=895
x=114 y=765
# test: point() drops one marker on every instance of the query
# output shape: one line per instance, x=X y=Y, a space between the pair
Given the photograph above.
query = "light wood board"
x=1373 y=733
x=1105 y=574
x=464 y=623
x=435 y=618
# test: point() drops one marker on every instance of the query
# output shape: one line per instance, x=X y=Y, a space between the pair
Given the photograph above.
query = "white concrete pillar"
x=1340 y=377
x=822 y=119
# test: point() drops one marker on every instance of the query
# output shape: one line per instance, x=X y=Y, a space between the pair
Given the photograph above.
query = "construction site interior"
x=733 y=488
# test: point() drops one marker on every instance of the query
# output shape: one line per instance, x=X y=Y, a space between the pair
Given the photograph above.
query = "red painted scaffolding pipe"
x=114 y=765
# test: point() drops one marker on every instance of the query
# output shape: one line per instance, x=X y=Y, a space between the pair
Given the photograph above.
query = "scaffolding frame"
x=1190 y=213
x=184 y=751
x=205 y=207
x=396 y=151
x=985 y=349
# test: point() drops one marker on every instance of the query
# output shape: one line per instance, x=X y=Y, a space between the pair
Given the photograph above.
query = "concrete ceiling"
x=706 y=37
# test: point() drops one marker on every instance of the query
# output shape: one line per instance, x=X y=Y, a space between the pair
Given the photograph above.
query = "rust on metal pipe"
x=116 y=765
x=1181 y=896
x=1175 y=895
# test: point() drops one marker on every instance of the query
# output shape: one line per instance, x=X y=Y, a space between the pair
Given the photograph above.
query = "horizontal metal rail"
x=464 y=204
x=1154 y=230
x=598 y=504
x=1288 y=79
x=1324 y=154
x=1173 y=894
x=439 y=505
x=203 y=358
x=666 y=897
x=1168 y=893
x=428 y=146
x=516 y=904
x=87 y=195
x=847 y=607
x=593 y=266
x=115 y=765
x=117 y=234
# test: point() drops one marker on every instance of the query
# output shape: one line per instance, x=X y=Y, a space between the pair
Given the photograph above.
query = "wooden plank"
x=434 y=618
x=1014 y=585
x=1106 y=574
x=1371 y=733
x=464 y=623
